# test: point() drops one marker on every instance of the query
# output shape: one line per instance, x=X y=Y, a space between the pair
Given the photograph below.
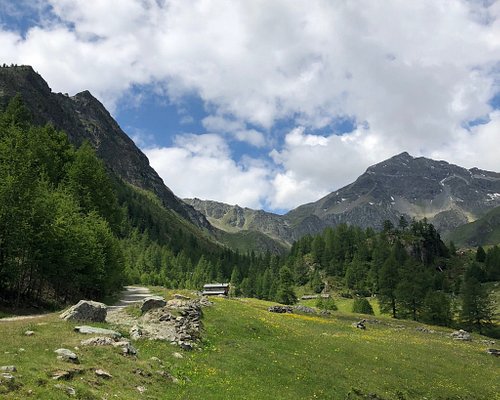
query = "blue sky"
x=271 y=104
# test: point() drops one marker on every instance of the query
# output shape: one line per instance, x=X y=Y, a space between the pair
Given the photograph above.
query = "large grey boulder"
x=152 y=302
x=86 y=310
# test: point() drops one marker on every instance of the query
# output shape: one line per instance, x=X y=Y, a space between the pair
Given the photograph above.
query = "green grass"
x=249 y=353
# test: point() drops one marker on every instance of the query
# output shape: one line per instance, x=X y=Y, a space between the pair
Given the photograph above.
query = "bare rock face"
x=86 y=310
x=152 y=302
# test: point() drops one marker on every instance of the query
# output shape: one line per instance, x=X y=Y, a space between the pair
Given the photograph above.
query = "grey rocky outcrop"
x=86 y=310
x=305 y=309
x=461 y=335
x=152 y=302
x=280 y=309
x=127 y=348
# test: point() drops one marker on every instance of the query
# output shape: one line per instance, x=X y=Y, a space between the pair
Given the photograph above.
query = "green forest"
x=69 y=229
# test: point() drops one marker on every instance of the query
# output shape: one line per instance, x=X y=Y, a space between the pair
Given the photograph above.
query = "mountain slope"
x=447 y=195
x=83 y=117
x=484 y=231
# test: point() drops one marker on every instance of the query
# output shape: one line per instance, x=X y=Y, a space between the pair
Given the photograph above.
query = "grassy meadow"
x=249 y=353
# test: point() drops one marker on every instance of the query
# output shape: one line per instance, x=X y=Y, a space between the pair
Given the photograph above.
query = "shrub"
x=362 y=306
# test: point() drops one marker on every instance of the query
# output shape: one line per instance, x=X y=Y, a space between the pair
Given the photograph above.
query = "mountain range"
x=449 y=196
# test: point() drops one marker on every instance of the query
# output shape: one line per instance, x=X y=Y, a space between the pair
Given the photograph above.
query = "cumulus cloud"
x=411 y=74
x=201 y=166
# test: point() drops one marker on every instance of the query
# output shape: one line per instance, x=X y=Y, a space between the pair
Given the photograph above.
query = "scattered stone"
x=176 y=303
x=493 y=352
x=180 y=297
x=67 y=355
x=103 y=374
x=360 y=324
x=29 y=333
x=177 y=355
x=461 y=335
x=280 y=309
x=166 y=317
x=488 y=342
x=90 y=330
x=204 y=302
x=141 y=389
x=152 y=302
x=325 y=312
x=86 y=310
x=305 y=309
x=168 y=376
x=424 y=329
x=8 y=368
x=98 y=341
x=67 y=389
x=6 y=376
x=142 y=373
x=135 y=332
x=155 y=359
x=61 y=374
x=127 y=348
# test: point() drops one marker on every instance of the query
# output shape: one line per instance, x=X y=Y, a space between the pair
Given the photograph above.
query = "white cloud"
x=201 y=166
x=413 y=71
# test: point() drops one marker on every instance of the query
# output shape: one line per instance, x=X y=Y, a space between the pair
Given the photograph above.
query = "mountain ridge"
x=83 y=117
x=447 y=195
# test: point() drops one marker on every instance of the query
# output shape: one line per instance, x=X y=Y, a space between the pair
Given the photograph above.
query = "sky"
x=274 y=103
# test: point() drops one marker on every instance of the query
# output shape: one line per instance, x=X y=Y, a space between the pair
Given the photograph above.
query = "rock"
x=280 y=309
x=424 y=329
x=461 y=335
x=7 y=377
x=176 y=303
x=360 y=324
x=177 y=355
x=67 y=355
x=67 y=389
x=152 y=302
x=180 y=297
x=98 y=341
x=135 y=332
x=127 y=348
x=103 y=374
x=155 y=359
x=61 y=374
x=168 y=376
x=29 y=333
x=90 y=330
x=8 y=368
x=493 y=352
x=141 y=389
x=86 y=310
x=305 y=309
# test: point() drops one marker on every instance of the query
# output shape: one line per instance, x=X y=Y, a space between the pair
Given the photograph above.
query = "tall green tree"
x=286 y=293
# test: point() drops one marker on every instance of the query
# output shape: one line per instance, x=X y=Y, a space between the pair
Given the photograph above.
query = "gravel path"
x=130 y=295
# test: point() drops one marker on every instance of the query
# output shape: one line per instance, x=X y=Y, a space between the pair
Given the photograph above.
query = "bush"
x=326 y=304
x=362 y=306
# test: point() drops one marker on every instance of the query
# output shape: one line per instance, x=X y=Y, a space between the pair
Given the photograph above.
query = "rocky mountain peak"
x=83 y=117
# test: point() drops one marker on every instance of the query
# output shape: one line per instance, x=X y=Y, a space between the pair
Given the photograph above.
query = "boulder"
x=98 y=341
x=8 y=368
x=91 y=330
x=280 y=309
x=152 y=302
x=461 y=335
x=86 y=310
x=305 y=309
x=360 y=324
x=67 y=355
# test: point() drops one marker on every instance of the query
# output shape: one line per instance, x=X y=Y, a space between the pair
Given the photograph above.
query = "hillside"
x=249 y=353
x=484 y=231
x=447 y=195
x=83 y=117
